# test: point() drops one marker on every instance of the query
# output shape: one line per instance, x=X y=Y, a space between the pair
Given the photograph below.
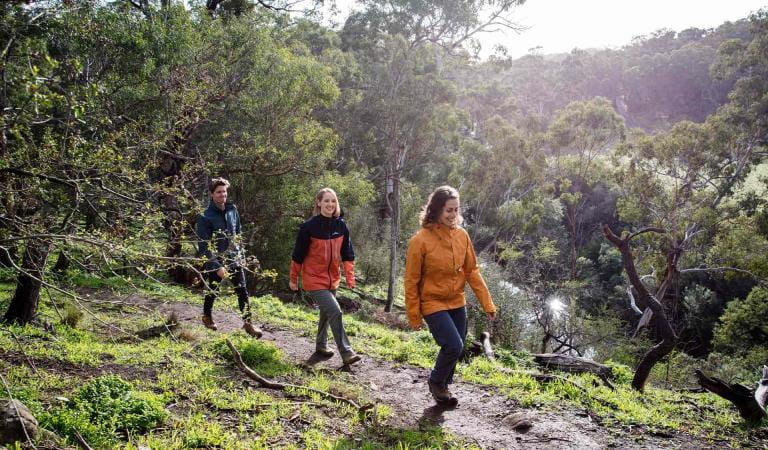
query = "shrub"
x=103 y=407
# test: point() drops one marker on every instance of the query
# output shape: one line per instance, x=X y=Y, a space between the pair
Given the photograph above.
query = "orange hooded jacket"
x=439 y=262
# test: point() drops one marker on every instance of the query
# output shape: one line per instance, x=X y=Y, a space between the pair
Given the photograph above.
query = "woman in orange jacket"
x=439 y=262
x=322 y=246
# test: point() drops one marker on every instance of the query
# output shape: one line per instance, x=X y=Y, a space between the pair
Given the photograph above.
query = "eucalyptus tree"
x=405 y=45
x=581 y=137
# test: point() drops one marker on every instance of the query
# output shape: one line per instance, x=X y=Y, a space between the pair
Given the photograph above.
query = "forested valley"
x=616 y=199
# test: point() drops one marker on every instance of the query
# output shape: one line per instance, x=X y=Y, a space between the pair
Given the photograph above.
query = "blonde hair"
x=319 y=196
x=430 y=213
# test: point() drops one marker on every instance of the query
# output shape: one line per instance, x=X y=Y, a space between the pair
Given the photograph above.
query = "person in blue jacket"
x=220 y=222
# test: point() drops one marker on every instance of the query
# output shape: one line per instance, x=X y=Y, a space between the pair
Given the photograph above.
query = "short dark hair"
x=216 y=182
x=430 y=213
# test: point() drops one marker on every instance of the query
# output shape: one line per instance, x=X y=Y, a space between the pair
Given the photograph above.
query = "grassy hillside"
x=92 y=375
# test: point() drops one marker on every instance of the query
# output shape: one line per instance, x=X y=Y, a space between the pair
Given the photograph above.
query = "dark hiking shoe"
x=324 y=352
x=208 y=322
x=441 y=394
x=350 y=358
x=252 y=330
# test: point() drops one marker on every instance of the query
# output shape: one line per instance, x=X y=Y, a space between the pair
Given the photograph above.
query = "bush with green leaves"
x=104 y=407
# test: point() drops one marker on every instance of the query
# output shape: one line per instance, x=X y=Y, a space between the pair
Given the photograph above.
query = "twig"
x=250 y=373
x=531 y=441
x=82 y=441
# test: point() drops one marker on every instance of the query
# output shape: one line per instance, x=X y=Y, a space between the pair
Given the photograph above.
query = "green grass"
x=208 y=404
x=202 y=398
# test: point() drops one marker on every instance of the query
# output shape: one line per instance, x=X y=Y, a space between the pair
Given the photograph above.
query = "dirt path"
x=480 y=416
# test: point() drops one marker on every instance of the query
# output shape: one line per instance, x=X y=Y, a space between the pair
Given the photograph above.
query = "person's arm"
x=204 y=232
x=348 y=258
x=413 y=271
x=297 y=258
x=476 y=281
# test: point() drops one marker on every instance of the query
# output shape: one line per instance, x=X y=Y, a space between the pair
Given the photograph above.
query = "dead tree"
x=741 y=396
x=660 y=319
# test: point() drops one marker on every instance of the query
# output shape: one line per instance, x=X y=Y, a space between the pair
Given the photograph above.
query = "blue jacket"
x=222 y=226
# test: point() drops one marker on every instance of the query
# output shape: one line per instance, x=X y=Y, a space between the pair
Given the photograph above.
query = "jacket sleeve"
x=299 y=252
x=203 y=231
x=413 y=266
x=476 y=281
x=348 y=258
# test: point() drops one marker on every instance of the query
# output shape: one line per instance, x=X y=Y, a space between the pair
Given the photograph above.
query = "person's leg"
x=212 y=288
x=329 y=307
x=459 y=318
x=448 y=337
x=238 y=280
x=321 y=341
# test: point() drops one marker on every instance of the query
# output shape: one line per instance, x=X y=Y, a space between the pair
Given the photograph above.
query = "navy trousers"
x=449 y=328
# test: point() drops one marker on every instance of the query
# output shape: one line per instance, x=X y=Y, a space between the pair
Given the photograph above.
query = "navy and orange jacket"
x=322 y=245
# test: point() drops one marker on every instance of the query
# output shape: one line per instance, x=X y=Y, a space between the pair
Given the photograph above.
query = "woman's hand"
x=294 y=285
x=416 y=326
x=491 y=316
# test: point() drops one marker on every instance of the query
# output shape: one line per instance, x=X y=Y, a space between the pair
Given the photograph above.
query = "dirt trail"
x=479 y=418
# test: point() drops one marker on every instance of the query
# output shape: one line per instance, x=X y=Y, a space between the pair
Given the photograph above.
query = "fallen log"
x=741 y=396
x=574 y=364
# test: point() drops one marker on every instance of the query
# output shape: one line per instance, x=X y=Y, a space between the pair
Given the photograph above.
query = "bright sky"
x=561 y=25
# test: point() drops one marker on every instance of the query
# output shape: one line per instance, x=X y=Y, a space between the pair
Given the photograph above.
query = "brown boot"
x=441 y=394
x=324 y=351
x=350 y=358
x=208 y=322
x=252 y=330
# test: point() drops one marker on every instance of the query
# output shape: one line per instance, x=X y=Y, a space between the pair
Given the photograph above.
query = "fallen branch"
x=81 y=440
x=741 y=396
x=250 y=373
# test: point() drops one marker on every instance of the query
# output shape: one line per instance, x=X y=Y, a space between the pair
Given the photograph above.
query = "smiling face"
x=449 y=216
x=328 y=204
x=219 y=196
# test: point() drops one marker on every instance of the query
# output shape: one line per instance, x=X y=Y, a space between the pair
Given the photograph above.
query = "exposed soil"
x=126 y=371
x=483 y=416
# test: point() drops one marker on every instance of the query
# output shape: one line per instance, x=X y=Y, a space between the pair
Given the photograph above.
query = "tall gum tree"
x=405 y=45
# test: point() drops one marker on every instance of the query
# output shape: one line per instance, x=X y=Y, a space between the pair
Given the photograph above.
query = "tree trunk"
x=62 y=263
x=394 y=202
x=23 y=307
x=668 y=335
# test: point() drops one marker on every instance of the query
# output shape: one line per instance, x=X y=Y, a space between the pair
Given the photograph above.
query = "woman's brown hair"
x=319 y=196
x=430 y=213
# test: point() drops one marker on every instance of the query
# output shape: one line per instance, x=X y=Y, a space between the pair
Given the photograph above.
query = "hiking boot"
x=439 y=392
x=208 y=322
x=324 y=351
x=252 y=330
x=350 y=358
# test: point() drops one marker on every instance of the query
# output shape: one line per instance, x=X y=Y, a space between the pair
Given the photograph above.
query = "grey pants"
x=330 y=314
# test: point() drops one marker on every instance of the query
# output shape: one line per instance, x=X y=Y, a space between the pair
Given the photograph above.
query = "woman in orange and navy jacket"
x=322 y=245
x=439 y=262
